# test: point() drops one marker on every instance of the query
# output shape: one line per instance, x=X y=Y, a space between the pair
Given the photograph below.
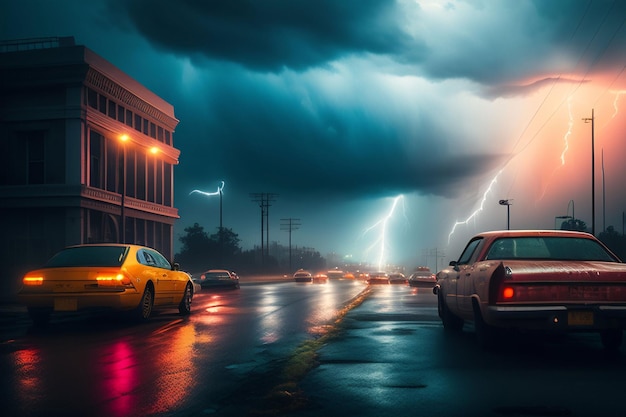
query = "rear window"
x=217 y=275
x=556 y=248
x=89 y=256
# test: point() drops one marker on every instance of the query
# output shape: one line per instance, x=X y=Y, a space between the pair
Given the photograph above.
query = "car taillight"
x=113 y=280
x=33 y=281
x=498 y=288
x=508 y=293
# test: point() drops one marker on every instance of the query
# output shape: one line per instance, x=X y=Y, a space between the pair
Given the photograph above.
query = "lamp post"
x=123 y=139
x=593 y=181
x=507 y=203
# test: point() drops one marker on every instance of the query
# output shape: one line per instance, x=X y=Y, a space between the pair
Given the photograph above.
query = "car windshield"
x=549 y=247
x=89 y=256
x=216 y=275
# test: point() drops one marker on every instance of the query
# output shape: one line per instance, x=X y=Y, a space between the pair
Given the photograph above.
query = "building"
x=86 y=155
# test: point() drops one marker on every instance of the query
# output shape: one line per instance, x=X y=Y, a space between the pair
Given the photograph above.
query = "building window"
x=167 y=184
x=96 y=160
x=36 y=157
x=121 y=112
x=113 y=167
x=151 y=174
x=138 y=122
x=130 y=172
x=141 y=176
x=112 y=110
x=159 y=182
x=92 y=98
x=129 y=118
x=102 y=104
x=168 y=139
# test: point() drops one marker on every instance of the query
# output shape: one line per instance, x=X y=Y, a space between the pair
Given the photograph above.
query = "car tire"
x=40 y=316
x=184 y=308
x=486 y=335
x=611 y=339
x=450 y=321
x=144 y=309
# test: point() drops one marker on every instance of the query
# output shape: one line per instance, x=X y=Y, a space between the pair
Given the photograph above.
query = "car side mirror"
x=175 y=266
x=454 y=265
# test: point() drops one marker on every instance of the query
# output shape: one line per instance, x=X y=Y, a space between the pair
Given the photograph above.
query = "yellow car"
x=118 y=276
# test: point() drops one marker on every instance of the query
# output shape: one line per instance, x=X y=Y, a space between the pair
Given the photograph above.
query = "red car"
x=555 y=281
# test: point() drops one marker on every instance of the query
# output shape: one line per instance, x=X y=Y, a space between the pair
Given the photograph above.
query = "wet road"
x=103 y=366
x=390 y=357
x=395 y=359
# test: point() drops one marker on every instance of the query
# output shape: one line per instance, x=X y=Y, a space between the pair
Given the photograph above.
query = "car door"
x=465 y=277
x=167 y=281
x=156 y=274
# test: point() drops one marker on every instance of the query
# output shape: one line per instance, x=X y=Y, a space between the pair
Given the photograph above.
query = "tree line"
x=201 y=251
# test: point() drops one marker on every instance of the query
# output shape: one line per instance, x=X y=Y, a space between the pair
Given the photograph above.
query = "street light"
x=124 y=138
x=507 y=203
x=593 y=181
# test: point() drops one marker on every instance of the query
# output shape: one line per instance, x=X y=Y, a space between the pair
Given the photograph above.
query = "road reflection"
x=28 y=381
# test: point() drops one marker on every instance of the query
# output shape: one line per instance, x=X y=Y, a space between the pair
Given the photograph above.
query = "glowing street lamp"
x=124 y=138
x=507 y=203
x=593 y=177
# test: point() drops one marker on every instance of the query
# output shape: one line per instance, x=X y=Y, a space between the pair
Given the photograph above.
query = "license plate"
x=580 y=318
x=65 y=304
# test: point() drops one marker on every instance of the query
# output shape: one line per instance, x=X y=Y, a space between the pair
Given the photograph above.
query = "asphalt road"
x=394 y=359
x=387 y=355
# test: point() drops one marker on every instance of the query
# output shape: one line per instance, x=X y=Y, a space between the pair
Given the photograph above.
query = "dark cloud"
x=269 y=139
x=268 y=35
x=352 y=100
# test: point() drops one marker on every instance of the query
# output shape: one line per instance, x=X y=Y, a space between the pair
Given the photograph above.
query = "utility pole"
x=264 y=200
x=593 y=174
x=290 y=225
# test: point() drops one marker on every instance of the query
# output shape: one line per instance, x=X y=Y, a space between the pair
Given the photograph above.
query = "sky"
x=387 y=130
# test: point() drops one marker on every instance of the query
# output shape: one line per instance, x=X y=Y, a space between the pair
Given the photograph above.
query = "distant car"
x=302 y=276
x=375 y=278
x=551 y=281
x=219 y=278
x=422 y=277
x=335 y=274
x=397 y=278
x=320 y=278
x=362 y=276
x=117 y=276
x=348 y=275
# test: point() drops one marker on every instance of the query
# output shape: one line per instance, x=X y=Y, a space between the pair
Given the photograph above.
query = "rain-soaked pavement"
x=394 y=359
x=389 y=356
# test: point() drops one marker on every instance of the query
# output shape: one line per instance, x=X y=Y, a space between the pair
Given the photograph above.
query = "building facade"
x=86 y=156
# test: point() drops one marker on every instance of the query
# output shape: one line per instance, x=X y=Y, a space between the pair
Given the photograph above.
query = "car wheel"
x=40 y=316
x=485 y=334
x=611 y=338
x=144 y=309
x=449 y=320
x=184 y=307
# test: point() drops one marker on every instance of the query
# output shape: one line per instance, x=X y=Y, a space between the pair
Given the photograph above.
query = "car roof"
x=538 y=232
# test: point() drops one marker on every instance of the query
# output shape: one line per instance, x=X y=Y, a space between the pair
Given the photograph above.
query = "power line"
x=264 y=200
x=290 y=225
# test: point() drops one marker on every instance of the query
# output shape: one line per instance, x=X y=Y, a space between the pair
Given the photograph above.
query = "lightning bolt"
x=570 y=125
x=568 y=133
x=479 y=209
x=218 y=192
x=617 y=93
x=381 y=241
